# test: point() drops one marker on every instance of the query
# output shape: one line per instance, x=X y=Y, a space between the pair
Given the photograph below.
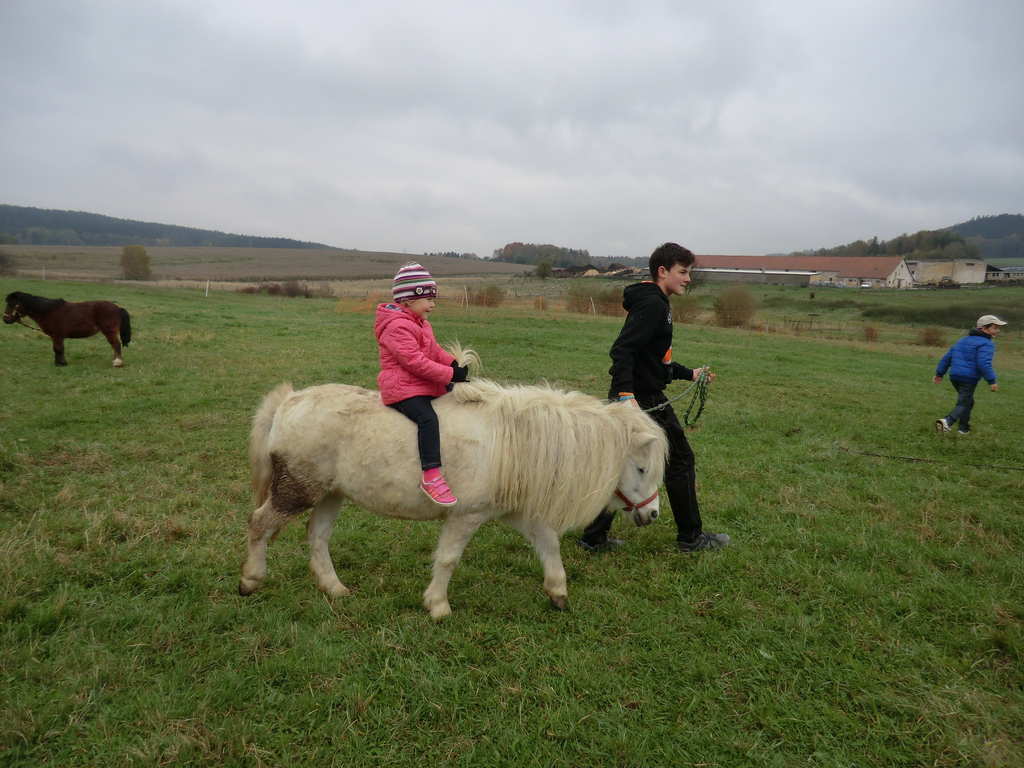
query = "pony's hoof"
x=338 y=590
x=560 y=602
x=247 y=586
x=438 y=611
x=119 y=363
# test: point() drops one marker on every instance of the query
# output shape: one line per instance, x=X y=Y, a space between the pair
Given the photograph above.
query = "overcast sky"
x=730 y=127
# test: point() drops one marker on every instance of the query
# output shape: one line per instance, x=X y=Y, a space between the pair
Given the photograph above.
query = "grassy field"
x=871 y=612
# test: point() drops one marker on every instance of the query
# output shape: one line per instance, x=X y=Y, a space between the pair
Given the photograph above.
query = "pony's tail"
x=259 y=457
x=126 y=327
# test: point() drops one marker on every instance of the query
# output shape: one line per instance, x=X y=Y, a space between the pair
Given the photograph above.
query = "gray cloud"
x=738 y=127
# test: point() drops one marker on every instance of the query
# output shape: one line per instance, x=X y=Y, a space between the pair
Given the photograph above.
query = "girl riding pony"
x=414 y=369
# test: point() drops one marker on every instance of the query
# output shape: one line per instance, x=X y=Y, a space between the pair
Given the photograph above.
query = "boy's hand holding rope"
x=698 y=390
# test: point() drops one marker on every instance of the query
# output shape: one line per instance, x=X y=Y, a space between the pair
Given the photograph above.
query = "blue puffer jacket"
x=970 y=358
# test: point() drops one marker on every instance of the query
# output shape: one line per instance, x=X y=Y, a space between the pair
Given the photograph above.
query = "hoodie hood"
x=640 y=293
x=389 y=313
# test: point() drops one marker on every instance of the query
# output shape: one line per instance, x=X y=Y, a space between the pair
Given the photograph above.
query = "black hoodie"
x=641 y=355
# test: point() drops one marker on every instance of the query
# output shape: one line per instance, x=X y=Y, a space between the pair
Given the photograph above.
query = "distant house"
x=840 y=271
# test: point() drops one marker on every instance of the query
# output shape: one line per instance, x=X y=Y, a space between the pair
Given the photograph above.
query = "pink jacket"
x=411 y=361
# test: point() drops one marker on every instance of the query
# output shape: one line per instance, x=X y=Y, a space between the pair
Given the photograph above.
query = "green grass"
x=869 y=614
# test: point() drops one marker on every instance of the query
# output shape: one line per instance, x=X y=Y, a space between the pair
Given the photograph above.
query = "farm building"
x=995 y=274
x=963 y=271
x=840 y=271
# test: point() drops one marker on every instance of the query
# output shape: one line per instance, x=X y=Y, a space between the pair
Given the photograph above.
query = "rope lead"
x=699 y=388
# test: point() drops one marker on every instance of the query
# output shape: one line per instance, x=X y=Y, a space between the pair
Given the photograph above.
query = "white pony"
x=540 y=459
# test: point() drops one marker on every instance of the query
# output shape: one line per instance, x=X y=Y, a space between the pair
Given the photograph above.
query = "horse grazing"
x=539 y=459
x=61 y=320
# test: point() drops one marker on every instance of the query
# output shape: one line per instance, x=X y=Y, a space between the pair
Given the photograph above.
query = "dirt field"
x=240 y=264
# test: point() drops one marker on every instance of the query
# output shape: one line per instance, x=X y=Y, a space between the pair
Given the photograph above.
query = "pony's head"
x=562 y=457
x=21 y=304
x=637 y=493
x=13 y=311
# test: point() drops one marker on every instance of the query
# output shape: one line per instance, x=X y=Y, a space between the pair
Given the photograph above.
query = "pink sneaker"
x=438 y=491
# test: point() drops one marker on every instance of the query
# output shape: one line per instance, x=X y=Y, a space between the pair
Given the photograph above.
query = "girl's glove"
x=459 y=373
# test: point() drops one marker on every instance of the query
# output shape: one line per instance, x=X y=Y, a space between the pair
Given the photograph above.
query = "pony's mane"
x=558 y=455
x=34 y=304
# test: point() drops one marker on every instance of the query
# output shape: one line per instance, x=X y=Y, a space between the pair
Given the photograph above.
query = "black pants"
x=428 y=436
x=964 y=403
x=680 y=477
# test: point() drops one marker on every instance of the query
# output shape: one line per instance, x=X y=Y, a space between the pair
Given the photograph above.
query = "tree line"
x=921 y=246
x=533 y=253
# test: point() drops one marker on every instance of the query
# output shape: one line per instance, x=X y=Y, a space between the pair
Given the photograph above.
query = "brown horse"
x=61 y=320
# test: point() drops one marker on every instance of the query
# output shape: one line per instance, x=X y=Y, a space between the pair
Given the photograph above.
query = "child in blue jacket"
x=968 y=361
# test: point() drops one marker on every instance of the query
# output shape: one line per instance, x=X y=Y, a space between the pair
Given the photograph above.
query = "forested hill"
x=40 y=226
x=996 y=237
x=986 y=237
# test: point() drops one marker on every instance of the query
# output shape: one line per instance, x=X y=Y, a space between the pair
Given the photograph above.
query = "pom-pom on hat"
x=413 y=282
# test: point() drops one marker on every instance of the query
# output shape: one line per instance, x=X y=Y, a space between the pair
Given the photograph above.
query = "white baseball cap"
x=989 y=320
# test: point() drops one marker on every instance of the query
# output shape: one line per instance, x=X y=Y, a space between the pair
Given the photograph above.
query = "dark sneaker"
x=704 y=541
x=941 y=425
x=963 y=431
x=607 y=545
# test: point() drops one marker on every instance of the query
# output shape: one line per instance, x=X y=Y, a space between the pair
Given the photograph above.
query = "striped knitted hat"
x=413 y=282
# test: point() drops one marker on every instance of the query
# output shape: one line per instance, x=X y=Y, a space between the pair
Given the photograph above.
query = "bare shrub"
x=6 y=263
x=273 y=289
x=135 y=263
x=609 y=301
x=870 y=333
x=589 y=299
x=540 y=303
x=735 y=306
x=487 y=296
x=685 y=309
x=577 y=299
x=931 y=337
x=249 y=289
x=293 y=289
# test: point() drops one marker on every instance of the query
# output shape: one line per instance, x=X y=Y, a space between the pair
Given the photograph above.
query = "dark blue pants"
x=428 y=436
x=680 y=477
x=964 y=403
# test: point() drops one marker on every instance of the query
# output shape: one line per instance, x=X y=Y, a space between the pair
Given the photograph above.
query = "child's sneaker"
x=438 y=491
x=941 y=425
x=963 y=431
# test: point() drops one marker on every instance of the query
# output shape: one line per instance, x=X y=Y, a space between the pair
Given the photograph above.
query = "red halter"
x=630 y=506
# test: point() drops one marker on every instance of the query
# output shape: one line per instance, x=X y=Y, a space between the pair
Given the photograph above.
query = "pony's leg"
x=58 y=351
x=115 y=343
x=455 y=535
x=545 y=542
x=264 y=524
x=321 y=522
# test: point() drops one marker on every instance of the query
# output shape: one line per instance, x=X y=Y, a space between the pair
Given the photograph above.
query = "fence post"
x=593 y=309
x=207 y=288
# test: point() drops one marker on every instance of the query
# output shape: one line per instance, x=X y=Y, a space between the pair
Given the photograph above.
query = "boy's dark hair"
x=668 y=255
